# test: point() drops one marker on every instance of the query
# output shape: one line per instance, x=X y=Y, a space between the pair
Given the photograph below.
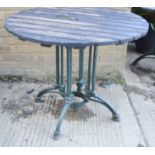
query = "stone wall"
x=31 y=61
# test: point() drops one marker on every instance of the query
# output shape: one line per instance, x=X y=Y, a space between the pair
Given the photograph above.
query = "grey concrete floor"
x=26 y=123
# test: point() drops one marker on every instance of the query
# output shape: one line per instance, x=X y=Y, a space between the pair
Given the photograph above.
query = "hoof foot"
x=39 y=100
x=56 y=135
x=116 y=118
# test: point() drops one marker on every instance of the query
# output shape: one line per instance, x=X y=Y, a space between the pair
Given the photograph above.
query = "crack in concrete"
x=139 y=91
x=126 y=89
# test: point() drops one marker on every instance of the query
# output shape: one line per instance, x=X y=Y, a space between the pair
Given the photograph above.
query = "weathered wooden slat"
x=82 y=20
x=108 y=35
x=57 y=34
x=89 y=11
x=76 y=26
x=115 y=32
x=48 y=40
x=40 y=34
x=103 y=13
x=97 y=17
x=112 y=14
x=71 y=26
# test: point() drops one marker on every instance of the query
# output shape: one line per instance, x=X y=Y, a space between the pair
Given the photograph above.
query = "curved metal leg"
x=43 y=92
x=102 y=101
x=88 y=86
x=59 y=77
x=67 y=104
x=134 y=63
x=91 y=90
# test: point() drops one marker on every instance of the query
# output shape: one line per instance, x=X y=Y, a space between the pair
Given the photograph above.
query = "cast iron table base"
x=76 y=28
x=86 y=94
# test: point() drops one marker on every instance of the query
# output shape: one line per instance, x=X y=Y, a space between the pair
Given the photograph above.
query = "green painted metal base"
x=76 y=105
x=56 y=135
x=87 y=94
x=56 y=89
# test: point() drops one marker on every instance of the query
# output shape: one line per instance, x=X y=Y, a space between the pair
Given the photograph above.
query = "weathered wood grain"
x=76 y=26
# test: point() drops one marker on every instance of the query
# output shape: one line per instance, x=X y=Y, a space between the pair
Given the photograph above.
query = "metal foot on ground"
x=56 y=135
x=116 y=118
x=65 y=108
x=39 y=100
x=96 y=98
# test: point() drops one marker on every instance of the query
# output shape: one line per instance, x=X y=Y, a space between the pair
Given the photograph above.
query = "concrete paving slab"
x=145 y=111
x=140 y=90
x=90 y=126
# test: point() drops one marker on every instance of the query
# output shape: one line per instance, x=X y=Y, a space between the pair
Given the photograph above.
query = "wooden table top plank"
x=81 y=36
x=70 y=26
x=80 y=19
x=115 y=31
x=83 y=20
x=46 y=40
x=89 y=11
x=78 y=15
x=110 y=34
x=104 y=12
x=41 y=21
x=84 y=23
x=76 y=26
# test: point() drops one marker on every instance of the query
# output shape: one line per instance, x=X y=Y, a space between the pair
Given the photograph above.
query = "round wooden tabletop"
x=76 y=27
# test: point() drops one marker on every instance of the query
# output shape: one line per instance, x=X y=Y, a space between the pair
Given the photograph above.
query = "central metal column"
x=69 y=71
x=91 y=84
x=89 y=70
x=81 y=65
x=94 y=69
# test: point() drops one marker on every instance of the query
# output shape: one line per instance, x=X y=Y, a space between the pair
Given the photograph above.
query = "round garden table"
x=76 y=28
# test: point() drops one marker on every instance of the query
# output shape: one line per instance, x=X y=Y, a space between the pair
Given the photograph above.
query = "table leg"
x=62 y=87
x=89 y=70
x=69 y=97
x=57 y=66
x=94 y=69
x=91 y=92
x=59 y=77
x=80 y=82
